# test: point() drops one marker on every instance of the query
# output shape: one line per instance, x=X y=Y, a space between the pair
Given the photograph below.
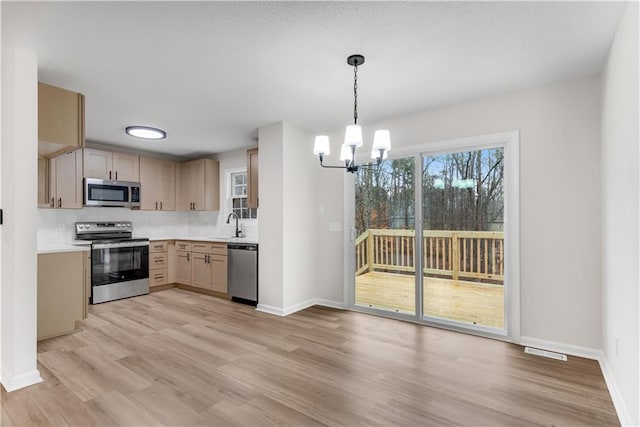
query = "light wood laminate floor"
x=179 y=358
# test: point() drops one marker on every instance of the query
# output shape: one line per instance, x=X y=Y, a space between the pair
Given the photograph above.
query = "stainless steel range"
x=119 y=263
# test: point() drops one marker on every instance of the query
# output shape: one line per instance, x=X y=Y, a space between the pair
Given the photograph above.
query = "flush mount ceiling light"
x=145 y=132
x=353 y=134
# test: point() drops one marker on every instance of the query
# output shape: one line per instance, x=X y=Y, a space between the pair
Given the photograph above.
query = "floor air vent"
x=545 y=353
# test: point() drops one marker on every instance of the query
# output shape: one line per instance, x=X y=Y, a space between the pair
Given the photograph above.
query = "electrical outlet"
x=60 y=227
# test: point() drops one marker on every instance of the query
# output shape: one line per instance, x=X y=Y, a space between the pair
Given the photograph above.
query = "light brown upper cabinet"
x=252 y=178
x=158 y=182
x=110 y=165
x=199 y=185
x=65 y=180
x=43 y=183
x=60 y=119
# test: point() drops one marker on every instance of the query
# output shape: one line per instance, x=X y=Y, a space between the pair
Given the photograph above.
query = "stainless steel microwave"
x=104 y=192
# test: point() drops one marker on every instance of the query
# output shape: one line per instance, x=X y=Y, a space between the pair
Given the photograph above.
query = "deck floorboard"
x=475 y=303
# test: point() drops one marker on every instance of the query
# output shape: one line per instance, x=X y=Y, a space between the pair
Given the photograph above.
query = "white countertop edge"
x=52 y=248
x=206 y=239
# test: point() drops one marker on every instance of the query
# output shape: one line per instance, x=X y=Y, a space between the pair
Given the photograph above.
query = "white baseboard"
x=588 y=353
x=269 y=309
x=329 y=303
x=621 y=408
x=12 y=383
x=297 y=307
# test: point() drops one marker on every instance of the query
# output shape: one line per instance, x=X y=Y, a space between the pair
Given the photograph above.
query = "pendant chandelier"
x=353 y=135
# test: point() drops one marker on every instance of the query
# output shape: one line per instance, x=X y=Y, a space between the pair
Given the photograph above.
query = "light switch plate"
x=335 y=226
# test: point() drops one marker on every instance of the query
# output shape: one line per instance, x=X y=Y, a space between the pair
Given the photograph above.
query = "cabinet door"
x=252 y=178
x=167 y=185
x=201 y=271
x=197 y=173
x=60 y=292
x=53 y=190
x=186 y=186
x=97 y=164
x=69 y=180
x=126 y=167
x=44 y=200
x=150 y=183
x=219 y=273
x=183 y=268
x=60 y=118
x=200 y=185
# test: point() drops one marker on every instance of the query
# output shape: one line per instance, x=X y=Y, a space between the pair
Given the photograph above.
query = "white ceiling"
x=211 y=73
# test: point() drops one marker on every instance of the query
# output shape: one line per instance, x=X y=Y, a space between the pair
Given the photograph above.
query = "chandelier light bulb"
x=345 y=153
x=353 y=135
x=321 y=145
x=382 y=140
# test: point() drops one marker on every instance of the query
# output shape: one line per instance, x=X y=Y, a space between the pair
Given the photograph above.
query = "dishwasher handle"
x=243 y=247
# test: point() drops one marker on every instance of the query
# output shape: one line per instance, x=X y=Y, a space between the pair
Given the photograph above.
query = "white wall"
x=299 y=218
x=19 y=185
x=621 y=216
x=559 y=194
x=270 y=221
x=287 y=267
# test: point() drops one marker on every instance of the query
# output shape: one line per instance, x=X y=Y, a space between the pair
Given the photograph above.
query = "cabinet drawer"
x=183 y=246
x=158 y=260
x=200 y=247
x=218 y=248
x=158 y=277
x=158 y=246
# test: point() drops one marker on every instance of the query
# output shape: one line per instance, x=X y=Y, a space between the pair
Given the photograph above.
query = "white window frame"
x=228 y=192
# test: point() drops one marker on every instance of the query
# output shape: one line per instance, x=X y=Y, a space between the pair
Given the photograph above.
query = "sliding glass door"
x=429 y=241
x=463 y=237
x=385 y=226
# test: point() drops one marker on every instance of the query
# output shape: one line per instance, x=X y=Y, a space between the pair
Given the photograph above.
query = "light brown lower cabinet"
x=183 y=267
x=62 y=292
x=202 y=265
x=158 y=263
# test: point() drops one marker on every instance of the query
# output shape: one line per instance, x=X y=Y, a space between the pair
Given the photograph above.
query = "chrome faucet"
x=238 y=232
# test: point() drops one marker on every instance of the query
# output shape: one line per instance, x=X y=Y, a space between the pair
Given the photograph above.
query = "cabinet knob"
x=60 y=202
x=109 y=174
x=156 y=205
x=53 y=202
x=160 y=205
x=116 y=175
x=188 y=256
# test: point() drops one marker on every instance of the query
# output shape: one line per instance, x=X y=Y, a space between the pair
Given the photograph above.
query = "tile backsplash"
x=57 y=225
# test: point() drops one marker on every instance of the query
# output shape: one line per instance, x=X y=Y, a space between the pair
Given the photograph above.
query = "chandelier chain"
x=355 y=94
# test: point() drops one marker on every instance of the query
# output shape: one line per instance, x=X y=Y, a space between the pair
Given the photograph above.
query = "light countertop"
x=207 y=239
x=83 y=245
x=55 y=247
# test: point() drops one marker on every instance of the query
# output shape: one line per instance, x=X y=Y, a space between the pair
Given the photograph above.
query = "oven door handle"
x=119 y=245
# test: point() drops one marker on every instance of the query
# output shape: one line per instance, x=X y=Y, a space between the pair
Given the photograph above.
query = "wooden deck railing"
x=457 y=254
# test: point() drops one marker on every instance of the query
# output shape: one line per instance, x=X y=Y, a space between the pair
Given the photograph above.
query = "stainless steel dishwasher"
x=243 y=272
